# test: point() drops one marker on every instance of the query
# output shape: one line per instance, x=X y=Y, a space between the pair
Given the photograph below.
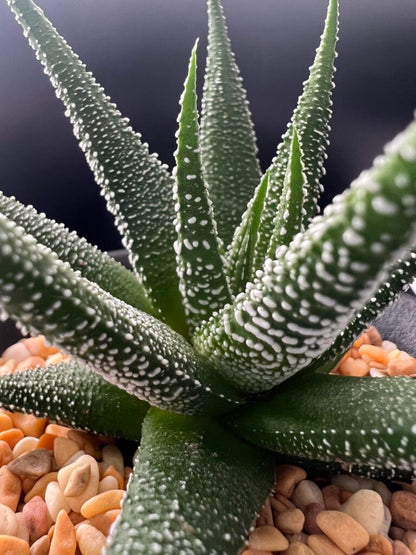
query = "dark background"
x=139 y=49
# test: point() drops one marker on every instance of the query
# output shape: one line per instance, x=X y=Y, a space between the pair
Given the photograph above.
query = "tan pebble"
x=366 y=507
x=27 y=485
x=104 y=521
x=255 y=552
x=29 y=364
x=403 y=509
x=299 y=537
x=401 y=367
x=16 y=352
x=5 y=422
x=33 y=464
x=78 y=480
x=102 y=502
x=112 y=456
x=396 y=533
x=290 y=522
x=90 y=490
x=374 y=336
x=400 y=548
x=64 y=541
x=311 y=511
x=86 y=442
x=13 y=546
x=6 y=454
x=57 y=430
x=354 y=367
x=55 y=500
x=29 y=424
x=10 y=488
x=75 y=457
x=22 y=530
x=26 y=444
x=380 y=544
x=343 y=530
x=277 y=506
x=363 y=338
x=287 y=477
x=322 y=545
x=331 y=495
x=307 y=492
x=40 y=486
x=383 y=491
x=298 y=548
x=41 y=546
x=90 y=540
x=265 y=516
x=409 y=539
x=345 y=482
x=37 y=347
x=63 y=449
x=8 y=521
x=111 y=471
x=267 y=538
x=110 y=482
x=374 y=353
x=37 y=518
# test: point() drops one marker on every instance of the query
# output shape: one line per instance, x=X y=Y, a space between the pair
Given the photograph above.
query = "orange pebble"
x=373 y=352
x=10 y=545
x=10 y=488
x=57 y=430
x=37 y=347
x=111 y=471
x=46 y=441
x=27 y=484
x=57 y=358
x=104 y=521
x=7 y=367
x=11 y=436
x=354 y=367
x=401 y=367
x=102 y=502
x=361 y=340
x=39 y=487
x=6 y=454
x=29 y=424
x=355 y=353
x=75 y=518
x=64 y=541
x=29 y=364
x=5 y=422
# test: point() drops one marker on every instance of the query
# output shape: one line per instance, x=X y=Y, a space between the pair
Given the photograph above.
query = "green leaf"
x=311 y=118
x=132 y=180
x=353 y=421
x=128 y=347
x=294 y=310
x=87 y=259
x=71 y=394
x=239 y=262
x=228 y=145
x=195 y=489
x=202 y=280
x=288 y=221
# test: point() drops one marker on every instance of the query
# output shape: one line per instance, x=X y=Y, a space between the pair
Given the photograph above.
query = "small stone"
x=343 y=530
x=90 y=540
x=384 y=531
x=63 y=449
x=10 y=488
x=298 y=548
x=256 y=552
x=366 y=507
x=26 y=444
x=403 y=509
x=287 y=477
x=104 y=521
x=311 y=512
x=6 y=454
x=110 y=482
x=90 y=490
x=16 y=352
x=112 y=456
x=39 y=487
x=29 y=424
x=55 y=500
x=36 y=517
x=34 y=464
x=41 y=546
x=290 y=522
x=267 y=538
x=396 y=533
x=8 y=521
x=307 y=492
x=78 y=480
x=22 y=530
x=380 y=544
x=13 y=546
x=345 y=481
x=103 y=502
x=383 y=490
x=265 y=516
x=64 y=541
x=399 y=548
x=319 y=543
x=409 y=539
x=331 y=495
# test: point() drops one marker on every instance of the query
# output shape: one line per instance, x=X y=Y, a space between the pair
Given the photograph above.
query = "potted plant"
x=235 y=305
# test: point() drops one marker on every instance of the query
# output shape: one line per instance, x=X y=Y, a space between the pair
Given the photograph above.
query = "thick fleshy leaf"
x=288 y=221
x=71 y=394
x=294 y=310
x=132 y=180
x=311 y=118
x=353 y=421
x=128 y=347
x=402 y=273
x=82 y=256
x=228 y=145
x=202 y=280
x=239 y=263
x=195 y=489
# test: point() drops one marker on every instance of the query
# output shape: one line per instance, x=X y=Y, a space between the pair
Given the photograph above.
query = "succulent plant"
x=215 y=349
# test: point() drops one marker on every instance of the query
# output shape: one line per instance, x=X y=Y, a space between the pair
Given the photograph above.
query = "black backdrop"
x=138 y=49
